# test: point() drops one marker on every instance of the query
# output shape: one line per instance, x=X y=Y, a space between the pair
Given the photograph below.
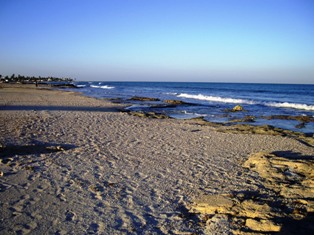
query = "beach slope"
x=73 y=164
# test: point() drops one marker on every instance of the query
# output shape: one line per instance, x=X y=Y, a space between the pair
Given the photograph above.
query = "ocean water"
x=212 y=100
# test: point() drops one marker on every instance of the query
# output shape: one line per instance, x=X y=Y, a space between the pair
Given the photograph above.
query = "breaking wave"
x=244 y=101
x=216 y=99
x=291 y=105
x=102 y=87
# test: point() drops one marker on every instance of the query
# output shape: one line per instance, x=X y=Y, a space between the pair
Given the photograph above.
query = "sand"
x=77 y=165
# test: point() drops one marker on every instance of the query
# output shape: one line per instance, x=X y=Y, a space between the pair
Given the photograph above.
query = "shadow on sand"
x=41 y=148
x=290 y=155
x=304 y=226
x=59 y=108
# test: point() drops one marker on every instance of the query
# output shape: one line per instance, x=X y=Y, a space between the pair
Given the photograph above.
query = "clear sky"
x=159 y=40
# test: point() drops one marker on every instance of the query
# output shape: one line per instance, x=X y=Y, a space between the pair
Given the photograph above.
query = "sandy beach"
x=77 y=165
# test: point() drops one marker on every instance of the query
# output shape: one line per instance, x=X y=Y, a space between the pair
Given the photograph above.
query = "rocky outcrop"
x=290 y=178
x=300 y=125
x=288 y=206
x=149 y=115
x=139 y=98
x=247 y=118
x=213 y=204
x=262 y=225
x=175 y=102
x=237 y=108
x=306 y=139
x=304 y=119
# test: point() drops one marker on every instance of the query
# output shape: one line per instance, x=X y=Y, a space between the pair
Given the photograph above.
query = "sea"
x=214 y=101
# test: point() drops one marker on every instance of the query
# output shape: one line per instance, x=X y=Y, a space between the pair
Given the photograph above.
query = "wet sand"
x=73 y=164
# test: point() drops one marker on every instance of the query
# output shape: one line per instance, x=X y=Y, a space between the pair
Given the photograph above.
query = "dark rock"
x=245 y=119
x=304 y=119
x=64 y=85
x=157 y=115
x=175 y=102
x=139 y=98
x=249 y=119
x=137 y=114
x=150 y=115
x=116 y=100
x=203 y=122
x=300 y=125
x=304 y=138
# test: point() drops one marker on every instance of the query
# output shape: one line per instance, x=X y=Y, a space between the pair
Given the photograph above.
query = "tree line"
x=32 y=79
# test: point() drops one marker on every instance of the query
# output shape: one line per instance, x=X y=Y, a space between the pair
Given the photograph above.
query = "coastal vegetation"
x=32 y=79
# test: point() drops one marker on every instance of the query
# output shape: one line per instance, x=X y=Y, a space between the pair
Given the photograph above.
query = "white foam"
x=102 y=87
x=291 y=105
x=215 y=99
x=194 y=114
x=81 y=85
x=171 y=93
x=244 y=101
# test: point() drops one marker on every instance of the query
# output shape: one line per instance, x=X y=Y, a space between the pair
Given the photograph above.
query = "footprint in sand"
x=112 y=164
x=96 y=191
x=99 y=208
x=95 y=228
x=33 y=176
x=41 y=188
x=137 y=220
x=97 y=176
x=35 y=215
x=25 y=228
x=61 y=232
x=61 y=197
x=18 y=207
x=4 y=187
x=155 y=194
x=98 y=170
x=70 y=216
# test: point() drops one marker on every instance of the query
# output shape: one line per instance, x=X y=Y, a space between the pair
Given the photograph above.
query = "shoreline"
x=230 y=127
x=134 y=175
x=293 y=114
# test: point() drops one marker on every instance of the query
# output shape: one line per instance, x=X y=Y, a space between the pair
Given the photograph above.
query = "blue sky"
x=159 y=40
